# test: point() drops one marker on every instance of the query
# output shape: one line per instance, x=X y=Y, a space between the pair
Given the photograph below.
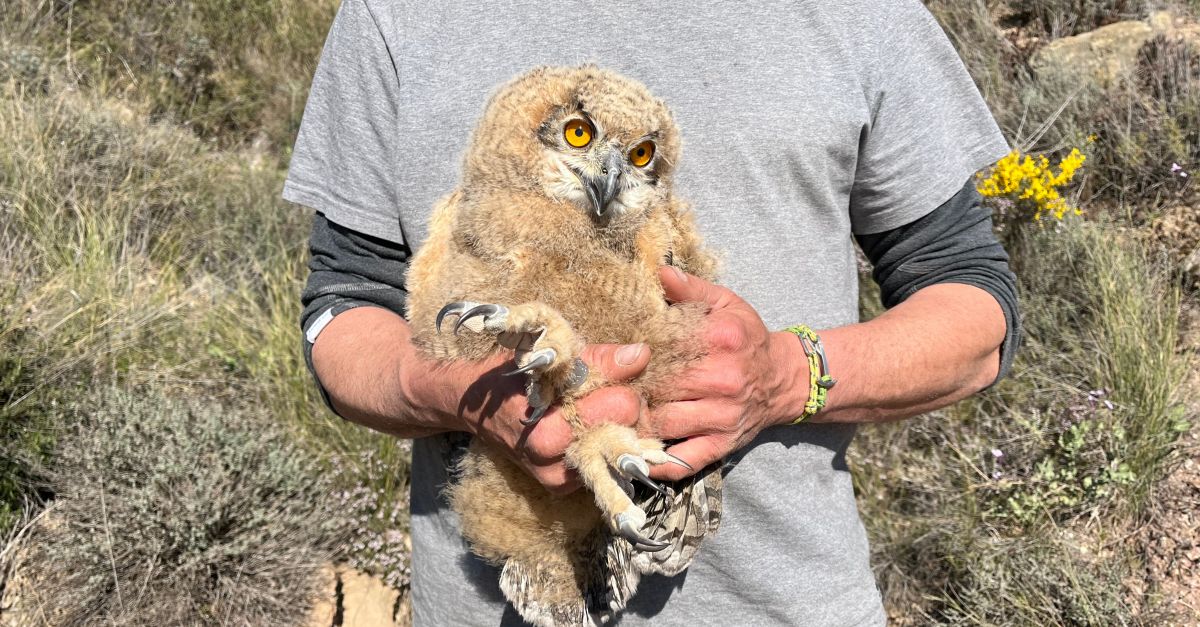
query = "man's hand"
x=743 y=385
x=376 y=377
x=494 y=405
x=938 y=346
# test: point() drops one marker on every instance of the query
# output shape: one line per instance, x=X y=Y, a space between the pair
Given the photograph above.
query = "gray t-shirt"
x=802 y=122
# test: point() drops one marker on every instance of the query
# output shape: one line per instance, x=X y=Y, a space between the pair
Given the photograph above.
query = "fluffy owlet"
x=552 y=240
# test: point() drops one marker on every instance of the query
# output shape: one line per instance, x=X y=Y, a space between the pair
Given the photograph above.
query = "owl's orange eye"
x=578 y=133
x=642 y=153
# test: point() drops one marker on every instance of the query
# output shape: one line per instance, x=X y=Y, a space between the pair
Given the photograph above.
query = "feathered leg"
x=609 y=458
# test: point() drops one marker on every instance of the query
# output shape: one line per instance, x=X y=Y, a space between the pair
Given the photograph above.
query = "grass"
x=1015 y=507
x=1009 y=508
x=1140 y=125
x=144 y=252
x=137 y=536
x=227 y=70
x=143 y=241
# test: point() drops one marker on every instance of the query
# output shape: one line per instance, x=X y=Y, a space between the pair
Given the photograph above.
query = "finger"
x=615 y=404
x=616 y=362
x=698 y=452
x=557 y=478
x=680 y=287
x=712 y=378
x=686 y=419
x=546 y=441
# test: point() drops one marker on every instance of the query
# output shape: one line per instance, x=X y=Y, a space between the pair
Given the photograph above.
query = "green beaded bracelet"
x=818 y=371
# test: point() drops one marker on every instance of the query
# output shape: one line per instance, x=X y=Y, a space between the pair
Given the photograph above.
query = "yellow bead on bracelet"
x=818 y=371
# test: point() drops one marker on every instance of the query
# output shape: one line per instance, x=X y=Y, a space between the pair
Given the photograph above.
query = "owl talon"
x=630 y=531
x=636 y=468
x=455 y=308
x=679 y=462
x=535 y=416
x=487 y=311
x=539 y=359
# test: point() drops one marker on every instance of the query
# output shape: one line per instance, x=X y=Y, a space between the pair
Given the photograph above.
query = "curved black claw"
x=679 y=462
x=478 y=310
x=450 y=308
x=635 y=537
x=635 y=468
x=540 y=359
x=534 y=417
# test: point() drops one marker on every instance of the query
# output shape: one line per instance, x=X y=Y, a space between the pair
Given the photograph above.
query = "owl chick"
x=552 y=240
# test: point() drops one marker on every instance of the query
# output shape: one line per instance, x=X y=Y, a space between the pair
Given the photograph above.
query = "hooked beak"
x=602 y=189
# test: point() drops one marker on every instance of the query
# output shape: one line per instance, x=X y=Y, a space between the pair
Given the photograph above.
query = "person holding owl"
x=805 y=128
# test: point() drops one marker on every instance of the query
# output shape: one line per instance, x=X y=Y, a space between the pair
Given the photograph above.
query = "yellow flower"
x=1032 y=183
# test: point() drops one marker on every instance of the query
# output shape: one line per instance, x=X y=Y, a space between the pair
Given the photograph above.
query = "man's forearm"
x=939 y=346
x=359 y=358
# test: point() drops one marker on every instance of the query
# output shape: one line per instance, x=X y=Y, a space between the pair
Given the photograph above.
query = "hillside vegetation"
x=149 y=281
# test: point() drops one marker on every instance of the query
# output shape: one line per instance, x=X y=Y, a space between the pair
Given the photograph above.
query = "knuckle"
x=556 y=480
x=599 y=356
x=545 y=444
x=727 y=335
x=560 y=488
x=612 y=404
x=538 y=449
x=730 y=384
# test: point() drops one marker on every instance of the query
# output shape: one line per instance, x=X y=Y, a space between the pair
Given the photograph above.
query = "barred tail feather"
x=683 y=520
x=531 y=590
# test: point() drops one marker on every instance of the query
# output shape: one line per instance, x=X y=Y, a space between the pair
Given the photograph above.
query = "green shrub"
x=180 y=513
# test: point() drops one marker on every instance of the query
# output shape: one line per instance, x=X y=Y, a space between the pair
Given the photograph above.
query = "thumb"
x=680 y=287
x=616 y=362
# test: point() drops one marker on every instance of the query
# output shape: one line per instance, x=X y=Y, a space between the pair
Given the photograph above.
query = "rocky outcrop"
x=1108 y=53
x=1103 y=54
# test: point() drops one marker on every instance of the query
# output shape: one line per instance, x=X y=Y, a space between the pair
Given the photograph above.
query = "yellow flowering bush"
x=1031 y=184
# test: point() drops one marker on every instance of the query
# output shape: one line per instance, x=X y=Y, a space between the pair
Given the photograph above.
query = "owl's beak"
x=602 y=189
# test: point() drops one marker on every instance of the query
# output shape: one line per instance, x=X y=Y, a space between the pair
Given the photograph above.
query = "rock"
x=366 y=601
x=325 y=606
x=1172 y=26
x=1104 y=54
x=352 y=598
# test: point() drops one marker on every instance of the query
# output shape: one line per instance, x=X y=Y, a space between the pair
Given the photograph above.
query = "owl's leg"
x=547 y=348
x=609 y=458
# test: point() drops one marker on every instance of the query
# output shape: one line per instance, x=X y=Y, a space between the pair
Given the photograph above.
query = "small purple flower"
x=997 y=453
x=1109 y=405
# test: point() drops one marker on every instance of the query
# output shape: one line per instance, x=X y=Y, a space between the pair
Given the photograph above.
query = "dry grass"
x=1017 y=507
x=143 y=246
x=137 y=536
x=1010 y=508
x=143 y=242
